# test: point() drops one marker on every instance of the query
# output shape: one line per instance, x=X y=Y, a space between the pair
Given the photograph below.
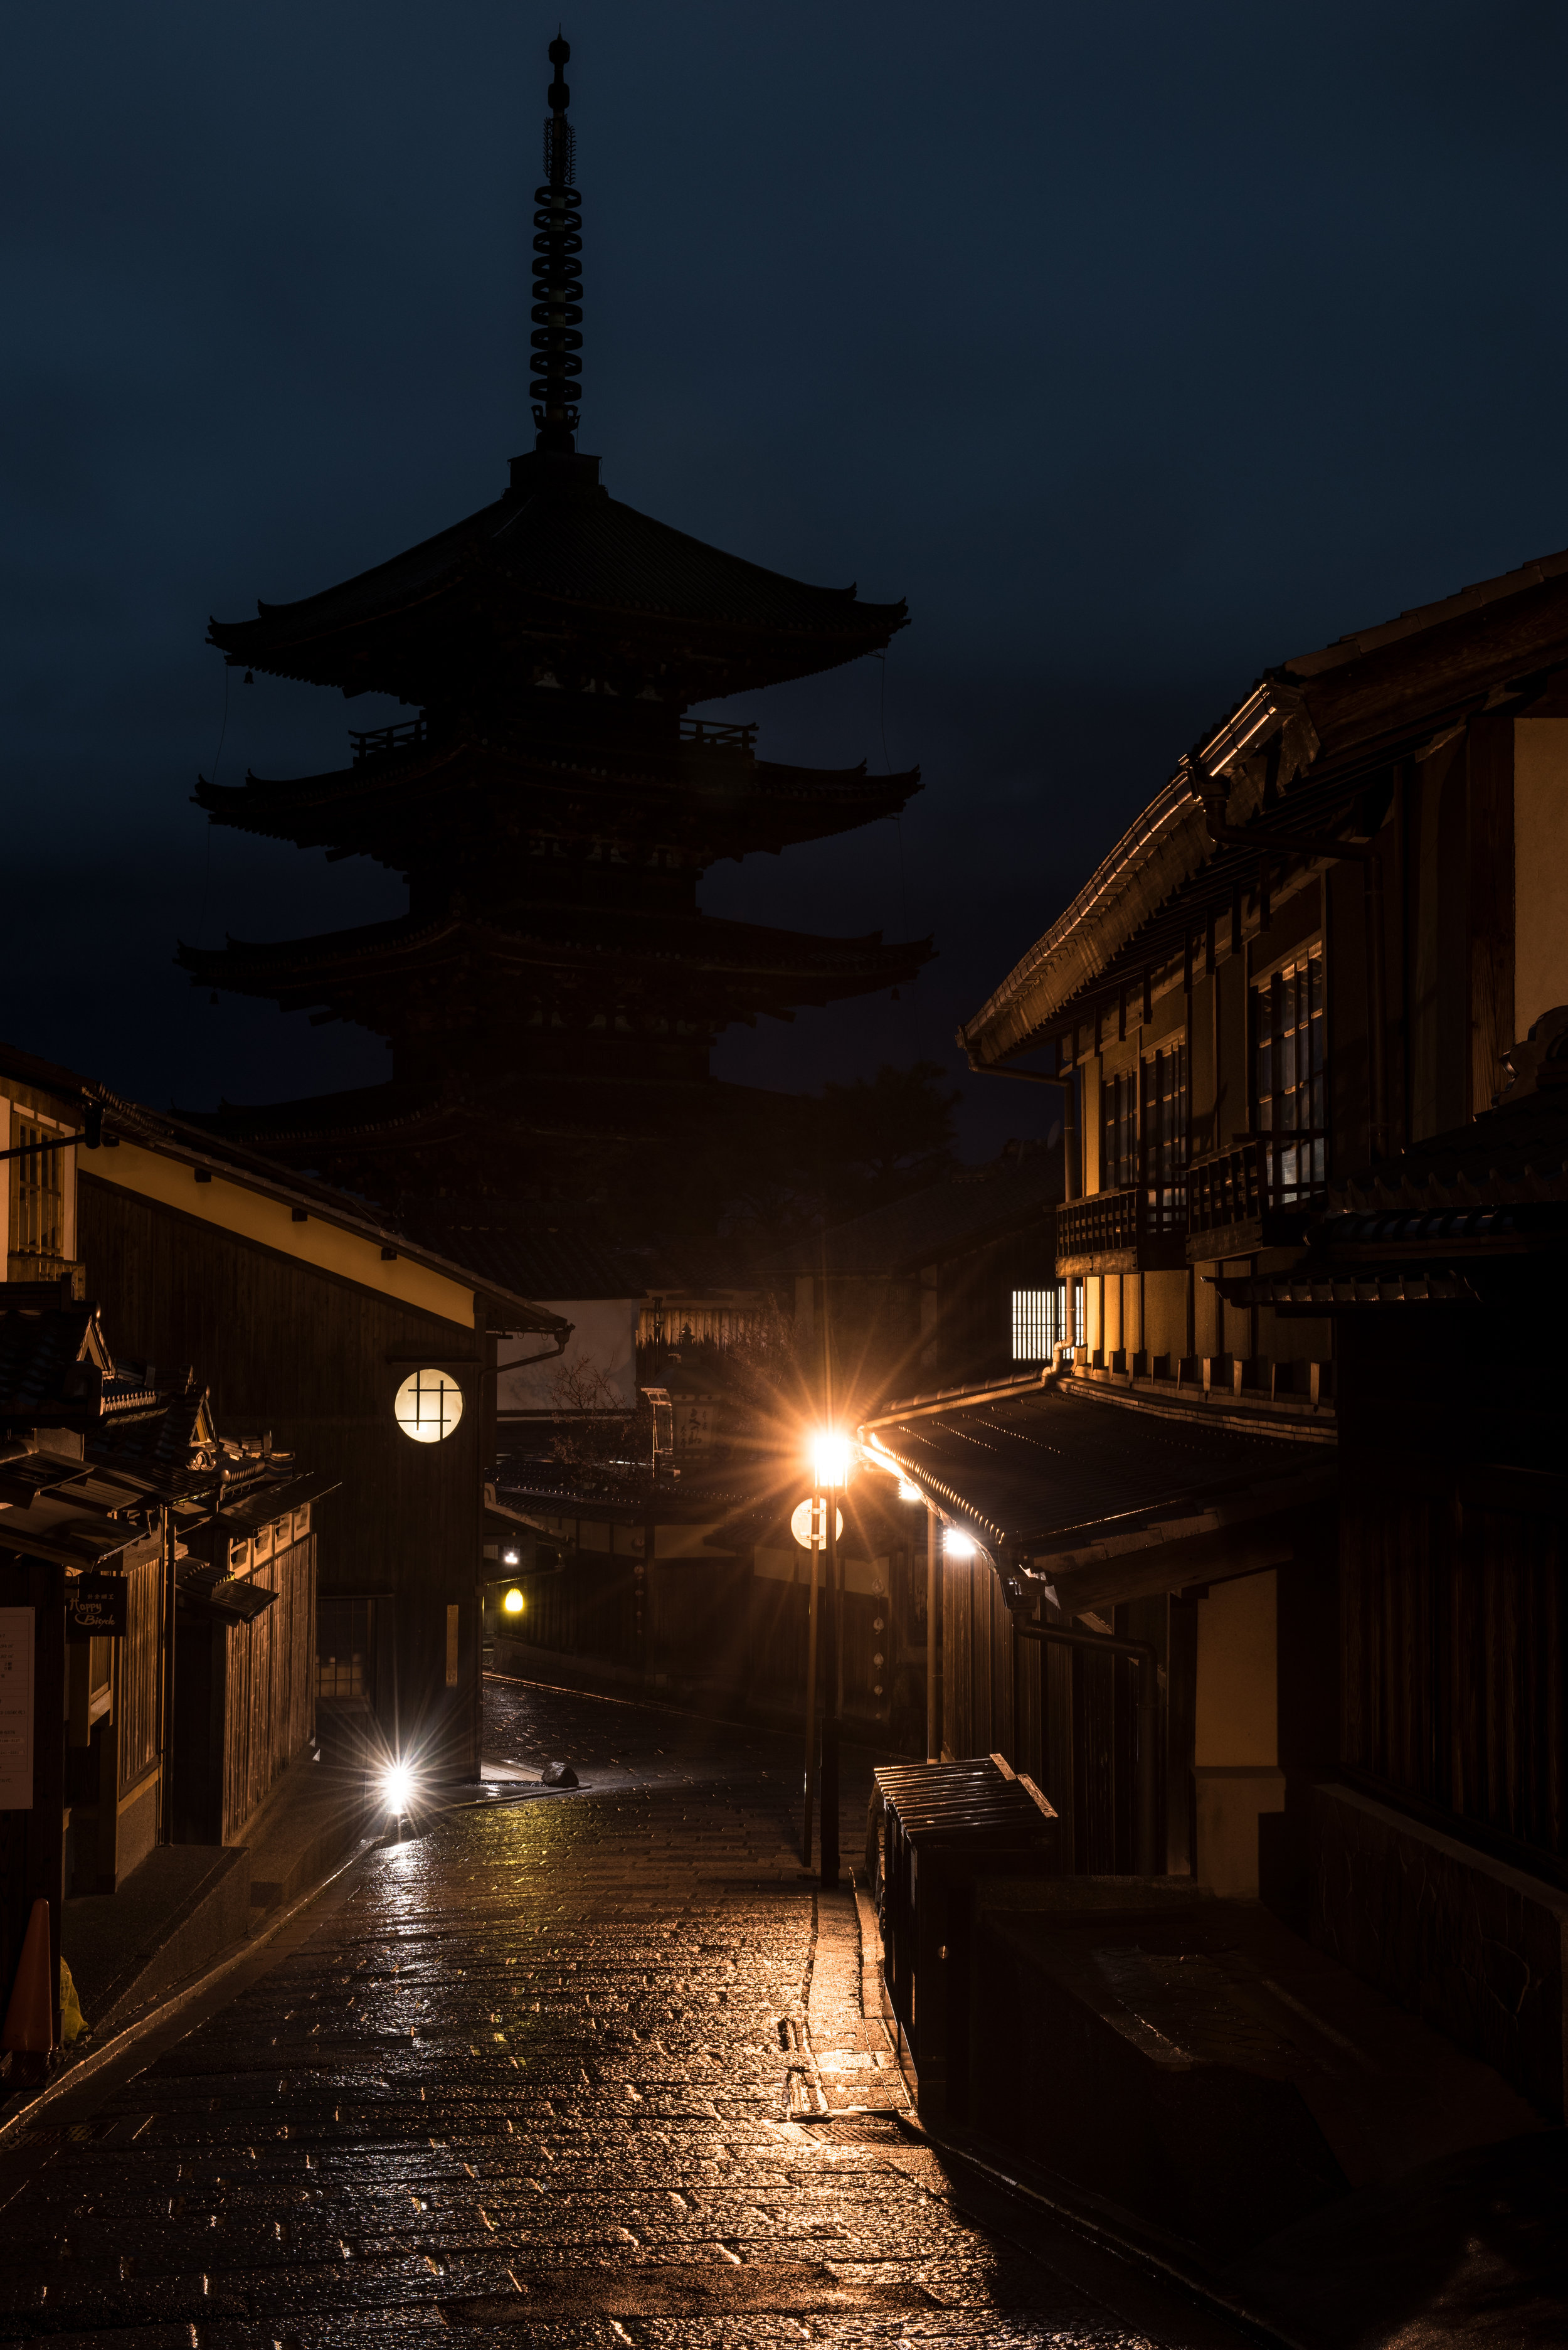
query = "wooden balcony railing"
x=1266 y=1181
x=710 y=735
x=1142 y=1227
x=375 y=742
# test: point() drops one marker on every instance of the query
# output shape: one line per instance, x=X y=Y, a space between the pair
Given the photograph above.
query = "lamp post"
x=830 y=1474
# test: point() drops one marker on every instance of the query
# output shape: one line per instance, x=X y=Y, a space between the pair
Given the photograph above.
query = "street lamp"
x=831 y=1458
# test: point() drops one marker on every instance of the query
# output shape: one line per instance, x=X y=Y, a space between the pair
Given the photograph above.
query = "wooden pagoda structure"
x=552 y=993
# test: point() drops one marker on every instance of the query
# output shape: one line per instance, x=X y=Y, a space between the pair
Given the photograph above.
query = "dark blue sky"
x=1137 y=345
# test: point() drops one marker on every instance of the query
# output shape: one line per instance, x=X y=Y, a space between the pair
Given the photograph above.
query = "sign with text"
x=95 y=1608
x=17 y=1625
x=809 y=1524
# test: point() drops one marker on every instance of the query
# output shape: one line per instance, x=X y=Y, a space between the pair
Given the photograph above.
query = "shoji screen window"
x=1045 y=1319
x=1289 y=1076
x=1163 y=1080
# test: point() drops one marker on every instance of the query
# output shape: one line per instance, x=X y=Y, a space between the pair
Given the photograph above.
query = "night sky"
x=1138 y=347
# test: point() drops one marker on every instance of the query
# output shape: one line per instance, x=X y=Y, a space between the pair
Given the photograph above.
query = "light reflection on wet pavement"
x=533 y=2083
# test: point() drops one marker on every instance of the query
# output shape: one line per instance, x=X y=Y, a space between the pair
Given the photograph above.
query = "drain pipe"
x=1071 y=1187
x=1146 y=1813
x=1334 y=851
x=933 y=1603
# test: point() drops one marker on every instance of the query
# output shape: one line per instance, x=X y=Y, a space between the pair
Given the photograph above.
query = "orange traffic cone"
x=30 y=2017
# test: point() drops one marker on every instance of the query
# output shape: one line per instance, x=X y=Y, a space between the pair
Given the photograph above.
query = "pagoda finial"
x=557 y=311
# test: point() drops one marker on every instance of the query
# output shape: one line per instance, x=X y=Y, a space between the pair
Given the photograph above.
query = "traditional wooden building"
x=325 y=1334
x=120 y=1512
x=1297 y=1483
x=551 y=995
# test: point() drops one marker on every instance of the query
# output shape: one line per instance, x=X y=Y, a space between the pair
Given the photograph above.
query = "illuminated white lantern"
x=428 y=1405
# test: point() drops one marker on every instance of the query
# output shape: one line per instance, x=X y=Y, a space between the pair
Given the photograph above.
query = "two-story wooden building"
x=320 y=1329
x=1301 y=1472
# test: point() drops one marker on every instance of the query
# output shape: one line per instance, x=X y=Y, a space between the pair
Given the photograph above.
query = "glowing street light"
x=512 y=1603
x=908 y=1493
x=959 y=1545
x=830 y=1458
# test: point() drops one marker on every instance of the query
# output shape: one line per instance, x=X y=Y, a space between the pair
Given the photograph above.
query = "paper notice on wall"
x=17 y=1709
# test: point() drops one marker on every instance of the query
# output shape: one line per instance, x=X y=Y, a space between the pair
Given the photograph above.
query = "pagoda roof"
x=628 y=949
x=724 y=806
x=404 y=1121
x=559 y=575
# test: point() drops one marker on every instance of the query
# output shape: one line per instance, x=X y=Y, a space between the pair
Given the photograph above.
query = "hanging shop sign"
x=95 y=1608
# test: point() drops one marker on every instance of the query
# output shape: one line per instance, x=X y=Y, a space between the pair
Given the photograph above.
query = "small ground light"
x=398 y=1787
x=511 y=1602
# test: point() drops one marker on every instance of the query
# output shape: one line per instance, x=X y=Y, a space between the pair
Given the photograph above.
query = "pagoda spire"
x=557 y=311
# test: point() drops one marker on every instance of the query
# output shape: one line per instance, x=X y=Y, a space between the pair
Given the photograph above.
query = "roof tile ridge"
x=1419 y=618
x=1171 y=806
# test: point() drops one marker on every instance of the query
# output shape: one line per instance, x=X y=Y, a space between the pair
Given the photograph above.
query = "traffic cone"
x=30 y=2017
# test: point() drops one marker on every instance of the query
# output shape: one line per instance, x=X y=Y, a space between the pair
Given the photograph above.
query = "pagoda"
x=553 y=991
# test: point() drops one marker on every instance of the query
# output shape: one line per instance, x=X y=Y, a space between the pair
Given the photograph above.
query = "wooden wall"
x=316 y=1359
x=1065 y=1717
x=269 y=1680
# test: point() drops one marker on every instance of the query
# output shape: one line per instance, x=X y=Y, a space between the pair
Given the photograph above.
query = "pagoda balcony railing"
x=707 y=734
x=378 y=742
x=1257 y=1193
x=1139 y=1227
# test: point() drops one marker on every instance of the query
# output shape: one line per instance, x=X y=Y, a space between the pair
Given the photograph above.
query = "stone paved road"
x=531 y=2079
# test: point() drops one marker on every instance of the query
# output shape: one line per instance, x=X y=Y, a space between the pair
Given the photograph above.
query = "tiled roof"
x=199 y=1145
x=711 y=805
x=549 y=935
x=1380 y=691
x=573 y=549
x=46 y=1361
x=1058 y=1473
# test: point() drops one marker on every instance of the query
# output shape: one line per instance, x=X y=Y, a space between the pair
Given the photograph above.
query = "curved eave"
x=733 y=610
x=387 y=814
x=384 y=953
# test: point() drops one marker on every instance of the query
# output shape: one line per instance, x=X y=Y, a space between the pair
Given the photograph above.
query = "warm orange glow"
x=830 y=1458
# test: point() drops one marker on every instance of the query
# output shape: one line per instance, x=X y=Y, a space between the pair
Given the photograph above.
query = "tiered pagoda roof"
x=413 y=794
x=558 y=583
x=553 y=807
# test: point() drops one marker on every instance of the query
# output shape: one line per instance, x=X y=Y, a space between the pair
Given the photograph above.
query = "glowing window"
x=428 y=1405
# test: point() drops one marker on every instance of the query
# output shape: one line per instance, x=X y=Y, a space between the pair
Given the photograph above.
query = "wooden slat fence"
x=269 y=1713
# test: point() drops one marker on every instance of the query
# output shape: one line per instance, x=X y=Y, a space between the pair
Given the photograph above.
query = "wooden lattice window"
x=1289 y=1076
x=1163 y=1137
x=37 y=1194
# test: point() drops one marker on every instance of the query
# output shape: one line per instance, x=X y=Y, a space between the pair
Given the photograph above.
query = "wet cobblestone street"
x=574 y=2068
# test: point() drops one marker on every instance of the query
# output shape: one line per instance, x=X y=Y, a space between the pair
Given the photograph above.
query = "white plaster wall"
x=605 y=1335
x=1540 y=862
